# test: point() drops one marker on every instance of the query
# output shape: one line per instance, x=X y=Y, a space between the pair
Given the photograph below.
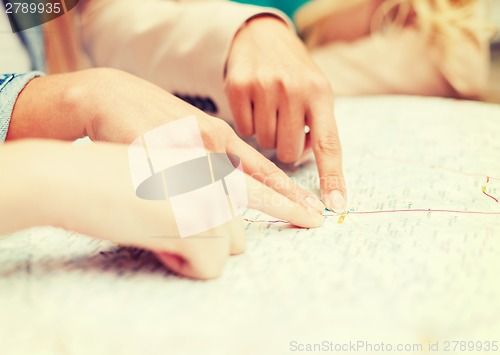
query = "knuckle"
x=320 y=84
x=266 y=80
x=223 y=130
x=214 y=133
x=210 y=144
x=269 y=169
x=332 y=181
x=221 y=125
x=328 y=144
x=235 y=86
x=290 y=88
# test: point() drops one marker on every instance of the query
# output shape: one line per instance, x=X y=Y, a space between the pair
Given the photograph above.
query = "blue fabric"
x=10 y=87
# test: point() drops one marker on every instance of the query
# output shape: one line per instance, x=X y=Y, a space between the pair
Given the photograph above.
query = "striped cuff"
x=11 y=86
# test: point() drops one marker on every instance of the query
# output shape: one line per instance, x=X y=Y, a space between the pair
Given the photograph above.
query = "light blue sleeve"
x=10 y=87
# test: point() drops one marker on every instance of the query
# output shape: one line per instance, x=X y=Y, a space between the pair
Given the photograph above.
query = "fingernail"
x=314 y=203
x=335 y=201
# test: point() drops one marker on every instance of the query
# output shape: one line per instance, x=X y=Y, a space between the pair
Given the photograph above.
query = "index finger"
x=328 y=153
x=267 y=200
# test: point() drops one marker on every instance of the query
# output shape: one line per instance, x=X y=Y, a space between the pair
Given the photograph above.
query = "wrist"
x=262 y=22
x=82 y=99
x=266 y=19
x=97 y=96
x=252 y=34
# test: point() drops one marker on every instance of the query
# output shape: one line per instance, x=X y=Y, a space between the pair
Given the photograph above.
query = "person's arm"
x=246 y=59
x=178 y=45
x=401 y=63
x=51 y=107
x=275 y=90
x=405 y=60
x=113 y=106
x=88 y=189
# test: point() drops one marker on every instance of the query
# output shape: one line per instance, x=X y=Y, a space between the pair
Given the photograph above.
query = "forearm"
x=22 y=195
x=43 y=182
x=86 y=189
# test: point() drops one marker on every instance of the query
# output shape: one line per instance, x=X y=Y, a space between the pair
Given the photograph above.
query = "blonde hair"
x=442 y=21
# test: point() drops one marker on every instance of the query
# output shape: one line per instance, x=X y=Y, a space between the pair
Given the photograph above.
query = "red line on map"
x=386 y=211
x=425 y=210
x=487 y=194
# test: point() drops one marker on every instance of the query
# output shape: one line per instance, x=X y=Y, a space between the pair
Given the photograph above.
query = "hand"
x=88 y=189
x=113 y=106
x=275 y=90
x=110 y=105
